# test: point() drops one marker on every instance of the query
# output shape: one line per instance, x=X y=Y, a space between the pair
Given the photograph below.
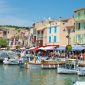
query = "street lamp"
x=68 y=35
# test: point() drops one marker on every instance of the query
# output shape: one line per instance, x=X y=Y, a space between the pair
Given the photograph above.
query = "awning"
x=74 y=48
x=77 y=48
x=47 y=48
x=33 y=48
x=61 y=48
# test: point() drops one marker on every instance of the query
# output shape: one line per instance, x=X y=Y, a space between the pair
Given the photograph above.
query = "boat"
x=34 y=63
x=6 y=54
x=70 y=67
x=79 y=83
x=12 y=61
x=50 y=63
x=81 y=71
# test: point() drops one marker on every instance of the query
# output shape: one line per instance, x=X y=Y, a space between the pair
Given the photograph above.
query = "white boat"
x=35 y=63
x=70 y=67
x=6 y=54
x=11 y=61
x=81 y=71
x=79 y=83
x=32 y=65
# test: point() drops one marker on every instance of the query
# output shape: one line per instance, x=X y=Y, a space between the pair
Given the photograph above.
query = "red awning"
x=34 y=48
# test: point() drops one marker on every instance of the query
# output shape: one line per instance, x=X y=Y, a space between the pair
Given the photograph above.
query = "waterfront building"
x=54 y=32
x=79 y=36
x=68 y=31
x=47 y=32
x=31 y=37
x=40 y=28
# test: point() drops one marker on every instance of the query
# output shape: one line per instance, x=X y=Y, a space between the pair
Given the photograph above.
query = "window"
x=78 y=14
x=55 y=39
x=78 y=26
x=84 y=38
x=74 y=39
x=55 y=29
x=79 y=38
x=5 y=32
x=84 y=13
x=50 y=29
x=49 y=39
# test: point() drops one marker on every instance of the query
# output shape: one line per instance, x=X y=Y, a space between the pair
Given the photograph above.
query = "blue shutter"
x=50 y=29
x=49 y=39
x=55 y=29
x=55 y=39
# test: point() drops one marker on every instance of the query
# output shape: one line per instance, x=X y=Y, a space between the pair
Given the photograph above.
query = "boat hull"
x=81 y=71
x=33 y=66
x=49 y=66
x=66 y=71
x=11 y=63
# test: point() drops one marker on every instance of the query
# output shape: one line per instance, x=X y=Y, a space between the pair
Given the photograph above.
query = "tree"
x=3 y=42
x=69 y=48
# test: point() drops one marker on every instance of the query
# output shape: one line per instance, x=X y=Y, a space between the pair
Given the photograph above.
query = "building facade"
x=54 y=32
x=15 y=36
x=79 y=36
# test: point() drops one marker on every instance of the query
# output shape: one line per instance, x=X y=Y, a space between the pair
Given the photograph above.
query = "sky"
x=27 y=12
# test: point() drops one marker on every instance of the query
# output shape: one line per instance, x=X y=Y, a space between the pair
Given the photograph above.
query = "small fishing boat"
x=12 y=61
x=79 y=83
x=70 y=67
x=34 y=63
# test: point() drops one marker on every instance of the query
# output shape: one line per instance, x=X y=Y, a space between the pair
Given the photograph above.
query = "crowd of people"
x=56 y=54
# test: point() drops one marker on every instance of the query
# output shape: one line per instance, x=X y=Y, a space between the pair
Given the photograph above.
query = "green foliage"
x=69 y=48
x=16 y=27
x=3 y=42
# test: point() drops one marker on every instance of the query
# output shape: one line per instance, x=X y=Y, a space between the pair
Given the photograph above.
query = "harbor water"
x=14 y=75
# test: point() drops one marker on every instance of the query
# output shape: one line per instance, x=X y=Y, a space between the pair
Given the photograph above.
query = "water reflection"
x=13 y=75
